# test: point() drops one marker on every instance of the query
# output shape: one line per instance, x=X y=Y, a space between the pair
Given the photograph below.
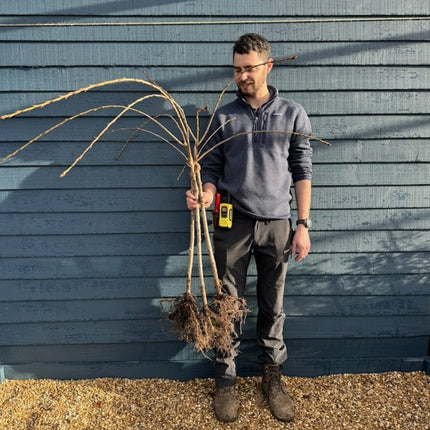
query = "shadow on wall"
x=89 y=256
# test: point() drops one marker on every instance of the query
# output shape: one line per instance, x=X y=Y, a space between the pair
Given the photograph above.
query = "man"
x=254 y=172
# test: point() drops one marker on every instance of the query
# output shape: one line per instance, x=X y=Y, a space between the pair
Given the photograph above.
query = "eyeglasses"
x=247 y=69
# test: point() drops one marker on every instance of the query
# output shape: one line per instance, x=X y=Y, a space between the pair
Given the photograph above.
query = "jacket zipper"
x=260 y=119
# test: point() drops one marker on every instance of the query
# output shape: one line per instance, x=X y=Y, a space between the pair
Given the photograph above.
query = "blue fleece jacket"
x=257 y=169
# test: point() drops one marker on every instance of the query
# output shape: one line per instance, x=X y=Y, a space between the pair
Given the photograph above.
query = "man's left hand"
x=301 y=243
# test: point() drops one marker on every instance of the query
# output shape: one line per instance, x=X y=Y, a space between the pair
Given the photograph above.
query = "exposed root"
x=185 y=316
x=234 y=308
x=211 y=328
x=204 y=342
x=225 y=311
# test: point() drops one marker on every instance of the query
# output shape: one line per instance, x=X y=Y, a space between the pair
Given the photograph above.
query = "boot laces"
x=273 y=375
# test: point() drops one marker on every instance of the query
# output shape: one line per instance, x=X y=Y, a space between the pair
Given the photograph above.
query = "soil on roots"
x=185 y=316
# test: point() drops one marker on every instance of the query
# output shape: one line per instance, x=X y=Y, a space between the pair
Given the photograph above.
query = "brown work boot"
x=281 y=403
x=225 y=404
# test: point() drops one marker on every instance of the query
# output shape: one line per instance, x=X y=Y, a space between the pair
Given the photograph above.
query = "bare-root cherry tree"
x=208 y=324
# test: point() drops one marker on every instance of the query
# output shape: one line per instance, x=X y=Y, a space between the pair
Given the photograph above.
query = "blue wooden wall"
x=85 y=260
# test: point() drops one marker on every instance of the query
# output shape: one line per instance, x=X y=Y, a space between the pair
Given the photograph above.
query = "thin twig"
x=152 y=133
x=61 y=123
x=263 y=131
x=137 y=129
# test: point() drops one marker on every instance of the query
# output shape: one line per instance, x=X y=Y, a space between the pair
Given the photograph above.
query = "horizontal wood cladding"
x=170 y=244
x=327 y=127
x=316 y=102
x=377 y=263
x=149 y=308
x=203 y=368
x=188 y=8
x=148 y=29
x=150 y=352
x=213 y=79
x=82 y=332
x=127 y=287
x=168 y=199
x=113 y=177
x=142 y=222
x=85 y=260
x=158 y=154
x=40 y=54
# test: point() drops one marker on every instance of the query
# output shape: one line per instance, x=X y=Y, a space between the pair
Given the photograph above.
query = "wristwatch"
x=305 y=221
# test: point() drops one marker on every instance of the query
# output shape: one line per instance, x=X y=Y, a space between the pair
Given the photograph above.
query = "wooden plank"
x=373 y=219
x=370 y=241
x=330 y=367
x=213 y=79
x=94 y=223
x=353 y=306
x=93 y=177
x=174 y=243
x=371 y=197
x=100 y=288
x=315 y=103
x=90 y=200
x=207 y=8
x=145 y=309
x=139 y=351
x=158 y=266
x=29 y=224
x=164 y=244
x=60 y=152
x=328 y=127
x=356 y=102
x=159 y=153
x=130 y=177
x=79 y=310
x=157 y=330
x=351 y=284
x=20 y=54
x=354 y=348
x=302 y=349
x=127 y=29
x=370 y=151
x=187 y=370
x=178 y=370
x=116 y=200
x=358 y=127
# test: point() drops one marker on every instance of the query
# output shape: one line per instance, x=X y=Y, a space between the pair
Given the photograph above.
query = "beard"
x=247 y=88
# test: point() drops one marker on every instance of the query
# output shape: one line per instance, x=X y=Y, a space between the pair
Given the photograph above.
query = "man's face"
x=251 y=80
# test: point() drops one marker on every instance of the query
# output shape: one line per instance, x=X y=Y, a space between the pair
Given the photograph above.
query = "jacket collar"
x=273 y=94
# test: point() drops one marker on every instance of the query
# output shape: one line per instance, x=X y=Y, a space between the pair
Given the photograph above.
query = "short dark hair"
x=252 y=42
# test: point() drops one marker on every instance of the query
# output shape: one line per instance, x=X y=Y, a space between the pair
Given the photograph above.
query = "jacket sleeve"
x=213 y=162
x=300 y=156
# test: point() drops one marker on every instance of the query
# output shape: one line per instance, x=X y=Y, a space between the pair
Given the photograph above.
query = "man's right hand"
x=207 y=198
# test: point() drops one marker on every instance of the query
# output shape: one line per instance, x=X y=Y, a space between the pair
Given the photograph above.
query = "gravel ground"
x=391 y=400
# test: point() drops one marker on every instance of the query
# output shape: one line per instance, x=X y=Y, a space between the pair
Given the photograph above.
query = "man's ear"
x=269 y=65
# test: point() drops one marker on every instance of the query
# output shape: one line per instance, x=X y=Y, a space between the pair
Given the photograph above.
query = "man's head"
x=251 y=64
x=252 y=42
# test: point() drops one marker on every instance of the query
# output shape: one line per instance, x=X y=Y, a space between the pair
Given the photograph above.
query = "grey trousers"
x=268 y=241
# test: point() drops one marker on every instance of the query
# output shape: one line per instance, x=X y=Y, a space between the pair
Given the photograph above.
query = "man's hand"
x=206 y=198
x=301 y=243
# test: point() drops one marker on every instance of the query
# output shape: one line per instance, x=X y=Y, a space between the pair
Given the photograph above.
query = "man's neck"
x=258 y=100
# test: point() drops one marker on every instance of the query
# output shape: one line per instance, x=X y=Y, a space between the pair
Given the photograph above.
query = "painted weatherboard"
x=85 y=260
